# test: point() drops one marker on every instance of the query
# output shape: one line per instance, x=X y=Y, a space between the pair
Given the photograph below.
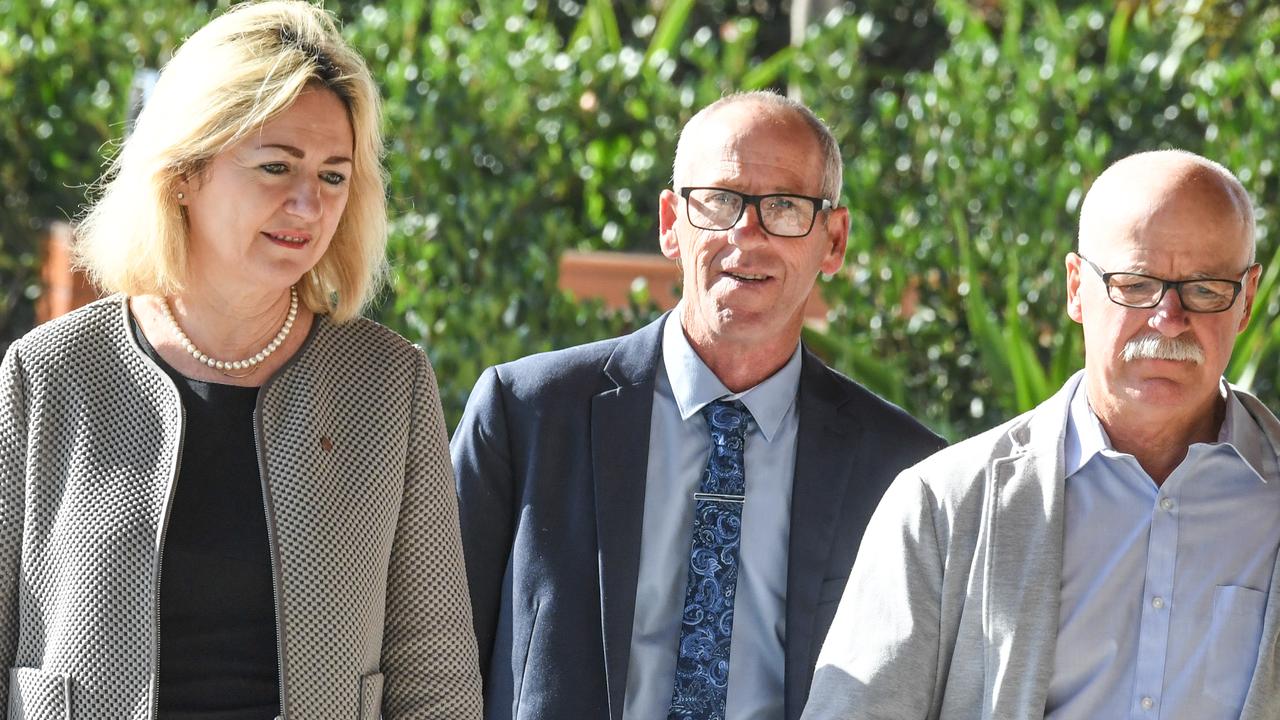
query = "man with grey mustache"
x=1111 y=553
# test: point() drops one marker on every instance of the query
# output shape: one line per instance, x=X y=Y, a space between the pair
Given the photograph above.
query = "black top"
x=218 y=656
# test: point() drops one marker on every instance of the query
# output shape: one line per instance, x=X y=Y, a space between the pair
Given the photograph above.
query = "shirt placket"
x=1153 y=635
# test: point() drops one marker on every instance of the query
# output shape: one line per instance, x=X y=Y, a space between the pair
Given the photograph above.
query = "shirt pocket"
x=1235 y=633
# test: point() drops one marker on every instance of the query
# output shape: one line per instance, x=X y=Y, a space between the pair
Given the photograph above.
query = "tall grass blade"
x=671 y=28
x=973 y=25
x=880 y=376
x=1252 y=344
x=766 y=73
x=979 y=314
x=1118 y=33
x=1011 y=37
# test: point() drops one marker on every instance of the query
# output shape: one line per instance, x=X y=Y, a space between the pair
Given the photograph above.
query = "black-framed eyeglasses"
x=781 y=214
x=1199 y=295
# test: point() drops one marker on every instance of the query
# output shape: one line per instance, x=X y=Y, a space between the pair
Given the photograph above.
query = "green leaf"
x=1118 y=33
x=968 y=17
x=979 y=314
x=1254 y=344
x=1011 y=36
x=766 y=73
x=671 y=27
x=880 y=376
x=600 y=23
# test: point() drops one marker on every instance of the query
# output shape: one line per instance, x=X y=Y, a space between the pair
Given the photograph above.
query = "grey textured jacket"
x=371 y=599
x=952 y=609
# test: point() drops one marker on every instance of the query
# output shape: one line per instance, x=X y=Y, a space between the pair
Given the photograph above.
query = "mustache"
x=1155 y=346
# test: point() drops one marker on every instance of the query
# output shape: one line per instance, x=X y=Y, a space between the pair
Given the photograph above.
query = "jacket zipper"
x=271 y=541
x=164 y=531
x=164 y=512
x=168 y=504
x=164 y=520
x=159 y=565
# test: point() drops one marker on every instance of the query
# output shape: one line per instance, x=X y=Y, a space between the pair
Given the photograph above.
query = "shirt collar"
x=1086 y=437
x=1242 y=432
x=695 y=386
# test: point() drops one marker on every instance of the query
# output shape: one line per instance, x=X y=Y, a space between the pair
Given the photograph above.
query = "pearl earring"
x=181 y=195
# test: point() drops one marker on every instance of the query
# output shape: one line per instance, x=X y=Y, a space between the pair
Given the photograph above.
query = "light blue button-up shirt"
x=679 y=445
x=1163 y=588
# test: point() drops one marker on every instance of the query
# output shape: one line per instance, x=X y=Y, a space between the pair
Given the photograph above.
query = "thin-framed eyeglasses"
x=1197 y=295
x=781 y=214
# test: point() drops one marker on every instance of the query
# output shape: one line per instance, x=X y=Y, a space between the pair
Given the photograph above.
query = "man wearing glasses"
x=1112 y=553
x=660 y=525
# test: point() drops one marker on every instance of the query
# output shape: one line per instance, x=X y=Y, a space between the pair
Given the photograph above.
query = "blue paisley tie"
x=702 y=663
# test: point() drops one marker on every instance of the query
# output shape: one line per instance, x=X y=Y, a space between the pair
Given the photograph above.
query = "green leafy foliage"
x=65 y=74
x=510 y=142
x=518 y=129
x=964 y=181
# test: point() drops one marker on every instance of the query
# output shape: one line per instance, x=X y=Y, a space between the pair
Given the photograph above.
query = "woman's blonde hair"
x=232 y=76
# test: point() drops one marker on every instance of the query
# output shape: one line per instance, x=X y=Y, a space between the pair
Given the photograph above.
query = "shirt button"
x=1148 y=703
x=1166 y=504
x=1157 y=603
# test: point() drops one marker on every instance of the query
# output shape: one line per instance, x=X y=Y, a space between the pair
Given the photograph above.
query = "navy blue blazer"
x=551 y=456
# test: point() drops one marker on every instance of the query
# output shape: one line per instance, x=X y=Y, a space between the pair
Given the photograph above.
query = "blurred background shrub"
x=518 y=129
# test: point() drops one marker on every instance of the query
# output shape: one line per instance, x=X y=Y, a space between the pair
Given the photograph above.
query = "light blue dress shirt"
x=1163 y=588
x=679 y=445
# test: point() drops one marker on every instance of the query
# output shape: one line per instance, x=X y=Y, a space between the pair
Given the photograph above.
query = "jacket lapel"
x=1026 y=511
x=1023 y=562
x=1263 y=699
x=825 y=450
x=620 y=417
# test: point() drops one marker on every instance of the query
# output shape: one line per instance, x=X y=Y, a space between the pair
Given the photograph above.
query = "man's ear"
x=836 y=231
x=1073 y=287
x=668 y=215
x=1250 y=292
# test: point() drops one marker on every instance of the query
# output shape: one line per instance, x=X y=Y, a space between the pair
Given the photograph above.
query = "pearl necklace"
x=235 y=368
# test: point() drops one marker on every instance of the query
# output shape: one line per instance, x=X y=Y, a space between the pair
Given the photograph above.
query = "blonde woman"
x=223 y=494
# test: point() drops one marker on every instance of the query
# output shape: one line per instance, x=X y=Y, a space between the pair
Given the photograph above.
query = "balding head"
x=1163 y=283
x=764 y=106
x=1167 y=192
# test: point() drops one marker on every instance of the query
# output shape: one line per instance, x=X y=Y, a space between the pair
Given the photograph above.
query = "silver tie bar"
x=717 y=497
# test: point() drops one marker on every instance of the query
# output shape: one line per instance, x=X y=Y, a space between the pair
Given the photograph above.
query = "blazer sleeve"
x=13 y=461
x=880 y=659
x=482 y=459
x=428 y=653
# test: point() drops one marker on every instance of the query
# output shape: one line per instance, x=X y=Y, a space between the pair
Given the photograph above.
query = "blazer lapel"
x=1263 y=699
x=620 y=417
x=1023 y=563
x=825 y=450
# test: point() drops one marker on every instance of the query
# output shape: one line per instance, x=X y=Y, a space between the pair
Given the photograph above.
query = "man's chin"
x=1167 y=389
x=744 y=322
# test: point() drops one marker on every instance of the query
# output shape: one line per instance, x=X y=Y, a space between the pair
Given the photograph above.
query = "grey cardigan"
x=952 y=609
x=371 y=600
